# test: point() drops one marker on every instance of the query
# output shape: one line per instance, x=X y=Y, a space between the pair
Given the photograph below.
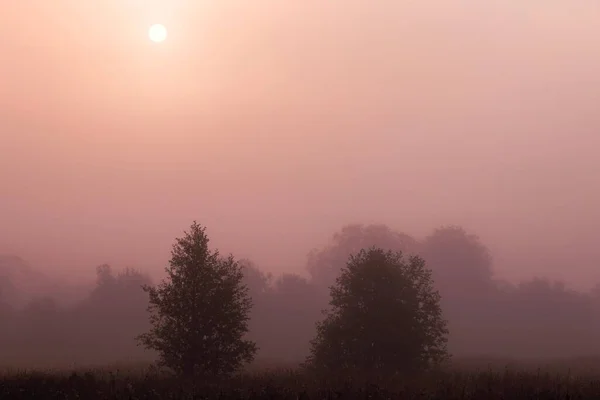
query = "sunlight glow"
x=157 y=33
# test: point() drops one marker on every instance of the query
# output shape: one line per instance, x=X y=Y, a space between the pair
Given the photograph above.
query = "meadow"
x=476 y=378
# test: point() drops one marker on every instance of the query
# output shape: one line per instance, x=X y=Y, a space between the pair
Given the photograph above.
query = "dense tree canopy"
x=200 y=313
x=385 y=316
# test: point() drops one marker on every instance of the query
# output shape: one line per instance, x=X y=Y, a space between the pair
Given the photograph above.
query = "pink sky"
x=274 y=123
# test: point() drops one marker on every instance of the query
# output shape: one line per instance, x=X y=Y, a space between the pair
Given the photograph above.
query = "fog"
x=275 y=124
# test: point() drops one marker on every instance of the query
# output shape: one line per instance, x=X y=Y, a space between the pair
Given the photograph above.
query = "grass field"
x=465 y=379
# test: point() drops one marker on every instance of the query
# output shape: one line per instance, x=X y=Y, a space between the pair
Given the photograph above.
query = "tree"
x=324 y=265
x=385 y=317
x=462 y=268
x=257 y=281
x=199 y=314
x=112 y=315
x=461 y=264
x=104 y=276
x=119 y=293
x=547 y=319
x=42 y=328
x=295 y=308
x=259 y=290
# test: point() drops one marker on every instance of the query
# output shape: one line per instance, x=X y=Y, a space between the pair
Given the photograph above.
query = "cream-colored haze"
x=276 y=122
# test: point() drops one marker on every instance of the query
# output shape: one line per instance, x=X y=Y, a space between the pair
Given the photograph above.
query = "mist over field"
x=279 y=126
x=49 y=322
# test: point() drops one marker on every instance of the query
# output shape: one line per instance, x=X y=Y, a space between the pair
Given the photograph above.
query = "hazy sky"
x=276 y=122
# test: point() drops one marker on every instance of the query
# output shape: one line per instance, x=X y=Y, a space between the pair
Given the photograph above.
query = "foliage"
x=385 y=317
x=200 y=314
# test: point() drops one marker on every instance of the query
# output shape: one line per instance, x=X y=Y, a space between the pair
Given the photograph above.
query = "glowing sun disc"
x=157 y=33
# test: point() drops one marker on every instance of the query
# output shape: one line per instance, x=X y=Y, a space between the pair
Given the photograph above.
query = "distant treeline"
x=486 y=317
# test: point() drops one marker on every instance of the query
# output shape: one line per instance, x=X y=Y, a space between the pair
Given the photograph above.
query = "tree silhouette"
x=462 y=268
x=547 y=319
x=385 y=317
x=324 y=265
x=295 y=308
x=461 y=264
x=42 y=327
x=257 y=281
x=199 y=314
x=259 y=290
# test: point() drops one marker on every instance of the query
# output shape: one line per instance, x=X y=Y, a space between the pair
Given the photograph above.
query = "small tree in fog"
x=199 y=314
x=385 y=317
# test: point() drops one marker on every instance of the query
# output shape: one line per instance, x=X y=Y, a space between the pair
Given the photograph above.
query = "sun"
x=157 y=33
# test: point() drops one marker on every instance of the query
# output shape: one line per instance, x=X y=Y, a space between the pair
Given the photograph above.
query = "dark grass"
x=459 y=381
